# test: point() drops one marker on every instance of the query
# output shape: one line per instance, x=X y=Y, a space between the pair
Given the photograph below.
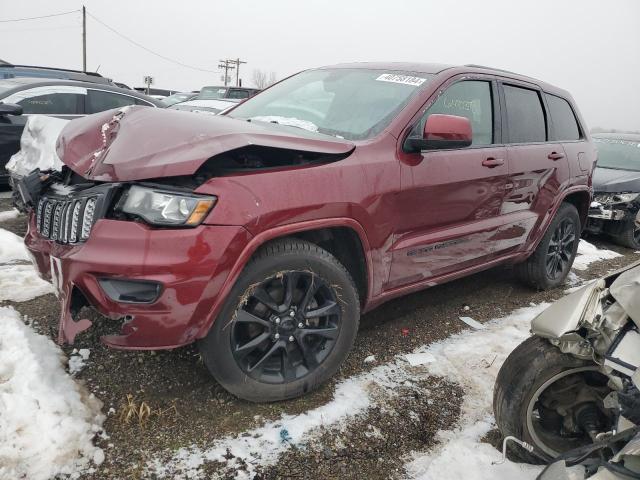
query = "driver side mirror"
x=442 y=131
x=10 y=109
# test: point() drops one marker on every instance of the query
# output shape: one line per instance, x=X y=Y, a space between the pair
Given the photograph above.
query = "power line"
x=147 y=49
x=36 y=18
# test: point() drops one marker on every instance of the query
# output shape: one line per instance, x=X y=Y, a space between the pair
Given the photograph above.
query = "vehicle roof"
x=57 y=69
x=53 y=72
x=633 y=137
x=17 y=84
x=229 y=86
x=435 y=68
x=400 y=66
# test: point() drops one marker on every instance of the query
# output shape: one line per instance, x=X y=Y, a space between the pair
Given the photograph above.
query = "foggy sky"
x=591 y=48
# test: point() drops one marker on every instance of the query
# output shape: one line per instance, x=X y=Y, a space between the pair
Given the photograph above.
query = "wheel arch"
x=580 y=197
x=327 y=233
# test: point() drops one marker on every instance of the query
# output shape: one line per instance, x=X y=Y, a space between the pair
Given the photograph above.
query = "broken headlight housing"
x=614 y=198
x=166 y=208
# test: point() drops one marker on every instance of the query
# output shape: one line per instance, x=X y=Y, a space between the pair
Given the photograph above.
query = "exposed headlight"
x=160 y=207
x=613 y=198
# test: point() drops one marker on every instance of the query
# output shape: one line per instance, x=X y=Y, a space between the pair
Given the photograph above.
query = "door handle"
x=492 y=162
x=555 y=156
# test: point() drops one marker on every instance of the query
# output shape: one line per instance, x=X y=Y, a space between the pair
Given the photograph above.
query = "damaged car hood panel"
x=609 y=180
x=137 y=143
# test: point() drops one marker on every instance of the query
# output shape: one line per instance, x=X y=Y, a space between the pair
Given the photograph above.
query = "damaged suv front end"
x=615 y=210
x=124 y=228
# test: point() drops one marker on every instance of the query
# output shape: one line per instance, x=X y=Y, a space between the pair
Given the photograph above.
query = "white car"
x=213 y=107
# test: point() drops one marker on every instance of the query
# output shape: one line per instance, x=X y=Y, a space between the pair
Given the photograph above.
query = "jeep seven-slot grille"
x=66 y=221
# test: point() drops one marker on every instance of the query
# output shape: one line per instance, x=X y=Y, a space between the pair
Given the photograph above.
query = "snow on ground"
x=47 y=421
x=263 y=445
x=589 y=253
x=78 y=359
x=12 y=247
x=471 y=358
x=473 y=361
x=9 y=215
x=19 y=283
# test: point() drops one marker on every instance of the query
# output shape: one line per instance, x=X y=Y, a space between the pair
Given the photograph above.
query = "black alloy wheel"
x=561 y=248
x=553 y=257
x=287 y=324
x=285 y=327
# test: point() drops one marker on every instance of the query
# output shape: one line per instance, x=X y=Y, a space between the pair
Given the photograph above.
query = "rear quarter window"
x=565 y=125
x=99 y=101
x=525 y=115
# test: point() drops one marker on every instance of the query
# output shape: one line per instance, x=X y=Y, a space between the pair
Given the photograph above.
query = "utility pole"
x=84 y=38
x=226 y=64
x=237 y=61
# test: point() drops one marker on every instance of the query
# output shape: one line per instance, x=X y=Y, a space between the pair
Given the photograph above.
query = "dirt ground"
x=188 y=407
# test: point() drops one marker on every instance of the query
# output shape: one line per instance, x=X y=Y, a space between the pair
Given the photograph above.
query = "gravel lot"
x=187 y=406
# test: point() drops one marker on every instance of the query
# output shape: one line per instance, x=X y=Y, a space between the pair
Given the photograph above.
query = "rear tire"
x=551 y=262
x=266 y=345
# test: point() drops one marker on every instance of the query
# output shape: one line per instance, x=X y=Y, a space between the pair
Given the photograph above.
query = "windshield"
x=354 y=104
x=211 y=93
x=618 y=153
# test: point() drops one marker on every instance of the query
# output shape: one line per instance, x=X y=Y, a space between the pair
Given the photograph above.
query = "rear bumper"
x=189 y=265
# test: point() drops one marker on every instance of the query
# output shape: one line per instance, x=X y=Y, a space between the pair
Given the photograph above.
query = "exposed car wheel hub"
x=285 y=327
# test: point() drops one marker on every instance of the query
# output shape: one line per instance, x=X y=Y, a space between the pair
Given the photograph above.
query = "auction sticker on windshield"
x=404 y=79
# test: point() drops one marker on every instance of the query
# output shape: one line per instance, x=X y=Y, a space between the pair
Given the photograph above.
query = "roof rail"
x=473 y=65
x=5 y=63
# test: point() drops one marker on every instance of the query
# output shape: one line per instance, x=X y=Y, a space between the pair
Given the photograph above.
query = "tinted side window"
x=99 y=101
x=238 y=94
x=52 y=104
x=471 y=99
x=565 y=126
x=525 y=115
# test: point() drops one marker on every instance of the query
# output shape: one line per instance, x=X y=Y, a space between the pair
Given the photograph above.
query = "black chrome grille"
x=66 y=220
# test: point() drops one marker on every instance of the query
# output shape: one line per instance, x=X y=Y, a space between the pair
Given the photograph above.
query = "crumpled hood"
x=609 y=180
x=138 y=143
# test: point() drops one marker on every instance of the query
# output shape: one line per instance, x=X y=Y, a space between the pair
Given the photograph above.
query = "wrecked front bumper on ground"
x=158 y=285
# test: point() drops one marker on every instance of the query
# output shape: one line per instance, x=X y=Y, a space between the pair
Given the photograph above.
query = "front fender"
x=279 y=232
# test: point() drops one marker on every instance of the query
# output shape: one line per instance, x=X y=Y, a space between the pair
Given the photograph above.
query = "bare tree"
x=262 y=80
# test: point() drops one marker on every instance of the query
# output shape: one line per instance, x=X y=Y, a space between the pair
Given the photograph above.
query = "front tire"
x=288 y=324
x=551 y=262
x=630 y=236
x=529 y=372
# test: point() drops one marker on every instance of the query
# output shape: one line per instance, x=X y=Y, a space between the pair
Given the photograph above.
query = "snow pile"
x=47 y=421
x=38 y=145
x=19 y=283
x=12 y=247
x=9 y=215
x=589 y=253
x=473 y=359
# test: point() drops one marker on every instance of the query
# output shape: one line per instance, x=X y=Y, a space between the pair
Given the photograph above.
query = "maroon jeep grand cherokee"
x=264 y=233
